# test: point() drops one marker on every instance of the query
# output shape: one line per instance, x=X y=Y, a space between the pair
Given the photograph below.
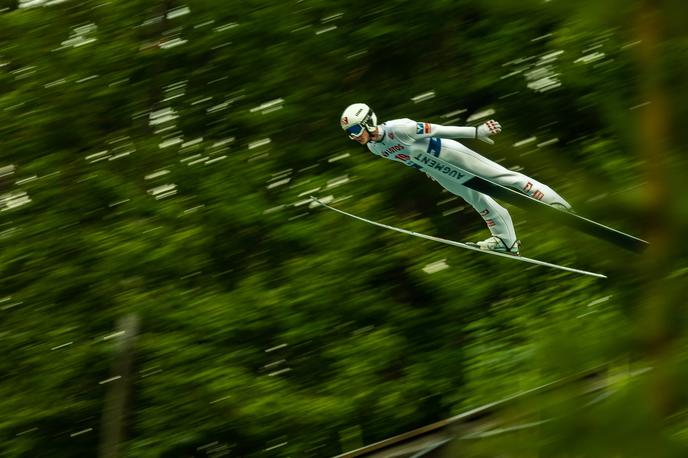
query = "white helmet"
x=357 y=117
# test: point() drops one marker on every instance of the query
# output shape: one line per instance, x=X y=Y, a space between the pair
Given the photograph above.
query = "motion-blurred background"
x=168 y=290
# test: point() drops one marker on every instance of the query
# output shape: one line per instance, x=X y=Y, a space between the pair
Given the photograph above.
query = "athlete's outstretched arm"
x=482 y=132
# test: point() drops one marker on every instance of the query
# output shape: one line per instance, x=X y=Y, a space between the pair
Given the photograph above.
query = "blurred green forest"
x=156 y=159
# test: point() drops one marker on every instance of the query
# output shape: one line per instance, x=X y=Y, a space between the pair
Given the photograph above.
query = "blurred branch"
x=656 y=311
x=117 y=397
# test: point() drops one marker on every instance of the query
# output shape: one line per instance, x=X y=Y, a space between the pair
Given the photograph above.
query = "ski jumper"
x=403 y=138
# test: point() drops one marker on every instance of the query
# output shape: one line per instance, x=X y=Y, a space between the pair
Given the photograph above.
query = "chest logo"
x=392 y=149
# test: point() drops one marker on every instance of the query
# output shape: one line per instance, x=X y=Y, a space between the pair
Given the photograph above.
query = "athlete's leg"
x=458 y=154
x=496 y=217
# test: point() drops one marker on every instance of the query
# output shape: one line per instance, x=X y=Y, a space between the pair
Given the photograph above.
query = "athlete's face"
x=363 y=138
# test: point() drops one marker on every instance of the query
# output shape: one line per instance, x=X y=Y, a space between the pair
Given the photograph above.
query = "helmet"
x=357 y=117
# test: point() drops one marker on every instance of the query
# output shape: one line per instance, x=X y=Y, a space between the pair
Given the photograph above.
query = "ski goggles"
x=355 y=131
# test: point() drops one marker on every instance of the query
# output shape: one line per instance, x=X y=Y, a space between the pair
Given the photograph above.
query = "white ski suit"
x=403 y=138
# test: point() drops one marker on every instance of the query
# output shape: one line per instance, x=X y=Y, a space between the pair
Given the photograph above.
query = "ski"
x=459 y=244
x=521 y=200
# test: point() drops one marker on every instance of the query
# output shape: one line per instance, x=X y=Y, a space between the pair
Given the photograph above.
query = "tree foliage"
x=157 y=158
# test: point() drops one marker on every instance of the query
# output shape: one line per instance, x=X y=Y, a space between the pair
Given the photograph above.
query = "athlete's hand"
x=486 y=129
